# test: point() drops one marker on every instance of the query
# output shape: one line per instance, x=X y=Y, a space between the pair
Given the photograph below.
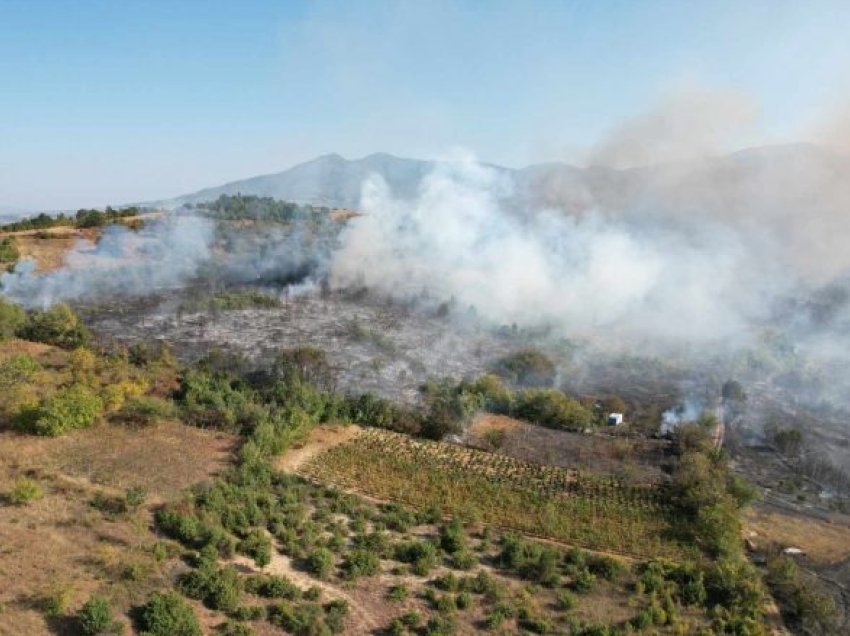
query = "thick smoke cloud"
x=688 y=124
x=162 y=255
x=637 y=275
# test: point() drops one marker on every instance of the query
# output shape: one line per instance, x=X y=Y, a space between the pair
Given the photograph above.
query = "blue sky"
x=109 y=102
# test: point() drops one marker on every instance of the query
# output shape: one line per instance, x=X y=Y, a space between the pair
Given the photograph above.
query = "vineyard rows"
x=563 y=504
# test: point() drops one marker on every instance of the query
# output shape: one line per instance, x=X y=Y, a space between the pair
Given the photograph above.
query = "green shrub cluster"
x=12 y=318
x=58 y=326
x=528 y=367
x=168 y=615
x=220 y=588
x=68 y=409
x=95 y=618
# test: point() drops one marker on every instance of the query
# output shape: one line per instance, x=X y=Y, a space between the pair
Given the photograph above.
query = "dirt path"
x=320 y=439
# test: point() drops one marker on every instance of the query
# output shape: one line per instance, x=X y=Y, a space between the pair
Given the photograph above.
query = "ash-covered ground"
x=377 y=346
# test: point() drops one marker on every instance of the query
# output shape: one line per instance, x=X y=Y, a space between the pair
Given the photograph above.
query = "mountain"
x=329 y=180
x=771 y=178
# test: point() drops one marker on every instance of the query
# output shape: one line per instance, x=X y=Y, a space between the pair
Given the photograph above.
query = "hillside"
x=724 y=185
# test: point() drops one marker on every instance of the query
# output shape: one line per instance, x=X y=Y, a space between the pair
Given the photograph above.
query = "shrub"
x=422 y=555
x=12 y=319
x=16 y=370
x=529 y=367
x=360 y=563
x=24 y=491
x=272 y=587
x=218 y=588
x=565 y=601
x=144 y=409
x=134 y=497
x=232 y=628
x=553 y=409
x=452 y=536
x=464 y=560
x=397 y=593
x=496 y=397
x=58 y=326
x=258 y=546
x=583 y=581
x=320 y=562
x=302 y=620
x=68 y=409
x=335 y=613
x=168 y=615
x=95 y=617
x=606 y=567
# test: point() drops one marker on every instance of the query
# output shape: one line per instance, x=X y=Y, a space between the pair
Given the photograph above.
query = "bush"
x=272 y=587
x=320 y=562
x=566 y=601
x=12 y=318
x=360 y=563
x=66 y=410
x=258 y=546
x=232 y=628
x=168 y=615
x=422 y=555
x=452 y=536
x=24 y=491
x=58 y=326
x=583 y=581
x=553 y=409
x=95 y=617
x=335 y=613
x=17 y=370
x=495 y=396
x=144 y=409
x=218 y=588
x=397 y=593
x=302 y=620
x=134 y=497
x=529 y=367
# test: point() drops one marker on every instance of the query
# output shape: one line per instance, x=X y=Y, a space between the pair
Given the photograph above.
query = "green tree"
x=168 y=615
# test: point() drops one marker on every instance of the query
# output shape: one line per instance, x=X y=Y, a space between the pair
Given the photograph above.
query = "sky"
x=113 y=102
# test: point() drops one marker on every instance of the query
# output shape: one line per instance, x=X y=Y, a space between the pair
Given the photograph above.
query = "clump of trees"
x=58 y=326
x=9 y=253
x=529 y=367
x=801 y=604
x=84 y=218
x=250 y=207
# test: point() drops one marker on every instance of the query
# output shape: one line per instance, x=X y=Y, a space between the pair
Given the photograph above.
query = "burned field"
x=373 y=345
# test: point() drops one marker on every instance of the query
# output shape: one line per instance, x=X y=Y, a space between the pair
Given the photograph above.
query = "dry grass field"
x=60 y=548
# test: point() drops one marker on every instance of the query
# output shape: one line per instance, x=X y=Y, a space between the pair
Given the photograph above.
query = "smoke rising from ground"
x=162 y=255
x=635 y=275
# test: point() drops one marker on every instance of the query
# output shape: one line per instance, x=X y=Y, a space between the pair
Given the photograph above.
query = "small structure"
x=615 y=419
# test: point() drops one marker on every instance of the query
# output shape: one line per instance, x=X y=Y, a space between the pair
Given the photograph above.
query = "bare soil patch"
x=639 y=459
x=825 y=543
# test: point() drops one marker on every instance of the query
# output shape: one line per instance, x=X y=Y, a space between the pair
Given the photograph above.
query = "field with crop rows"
x=565 y=505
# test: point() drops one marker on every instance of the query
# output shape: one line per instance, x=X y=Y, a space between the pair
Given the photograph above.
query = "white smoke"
x=162 y=255
x=641 y=277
